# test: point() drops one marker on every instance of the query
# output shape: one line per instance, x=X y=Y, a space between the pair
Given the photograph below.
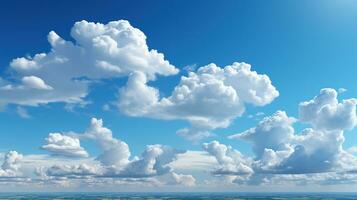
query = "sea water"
x=185 y=196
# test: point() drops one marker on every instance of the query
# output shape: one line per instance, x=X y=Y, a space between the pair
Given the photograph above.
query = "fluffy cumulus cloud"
x=282 y=157
x=114 y=161
x=153 y=161
x=280 y=151
x=326 y=113
x=209 y=98
x=64 y=74
x=271 y=133
x=114 y=152
x=182 y=179
x=231 y=161
x=11 y=164
x=64 y=145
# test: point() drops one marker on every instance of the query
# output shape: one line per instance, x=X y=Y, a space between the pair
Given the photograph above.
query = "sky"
x=164 y=96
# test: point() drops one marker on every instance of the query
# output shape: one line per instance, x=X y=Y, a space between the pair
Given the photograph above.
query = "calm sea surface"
x=186 y=196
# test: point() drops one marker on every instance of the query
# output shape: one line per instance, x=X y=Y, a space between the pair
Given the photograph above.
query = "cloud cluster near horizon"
x=281 y=156
x=279 y=150
x=208 y=98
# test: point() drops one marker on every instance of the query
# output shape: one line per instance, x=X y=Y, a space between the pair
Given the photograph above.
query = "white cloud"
x=182 y=179
x=271 y=133
x=154 y=161
x=193 y=161
x=11 y=164
x=34 y=82
x=193 y=134
x=106 y=107
x=64 y=74
x=326 y=113
x=279 y=150
x=342 y=90
x=27 y=64
x=315 y=151
x=209 y=98
x=137 y=98
x=114 y=160
x=286 y=181
x=256 y=116
x=72 y=170
x=22 y=112
x=64 y=145
x=212 y=97
x=231 y=161
x=190 y=68
x=115 y=152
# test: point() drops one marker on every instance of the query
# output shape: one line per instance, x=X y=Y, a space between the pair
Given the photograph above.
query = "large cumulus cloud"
x=209 y=98
x=99 y=51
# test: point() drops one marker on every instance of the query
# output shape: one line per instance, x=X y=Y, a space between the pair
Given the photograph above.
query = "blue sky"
x=302 y=46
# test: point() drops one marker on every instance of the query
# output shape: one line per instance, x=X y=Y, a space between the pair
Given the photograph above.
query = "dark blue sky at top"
x=302 y=46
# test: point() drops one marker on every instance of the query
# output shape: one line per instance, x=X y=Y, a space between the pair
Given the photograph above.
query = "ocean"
x=178 y=196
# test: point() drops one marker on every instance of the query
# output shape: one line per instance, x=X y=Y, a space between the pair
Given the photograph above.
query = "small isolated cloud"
x=22 y=112
x=256 y=115
x=342 y=90
x=106 y=107
x=190 y=68
x=193 y=135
